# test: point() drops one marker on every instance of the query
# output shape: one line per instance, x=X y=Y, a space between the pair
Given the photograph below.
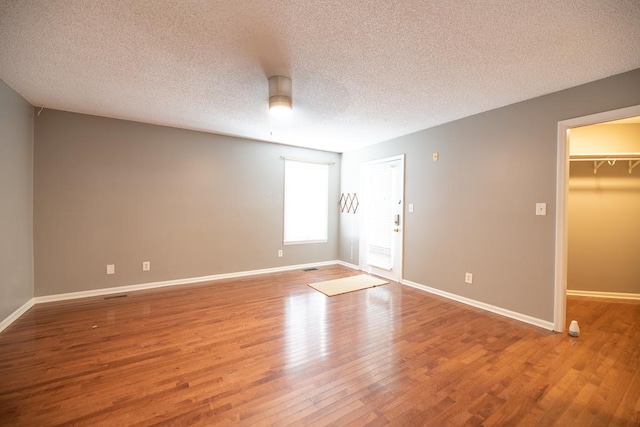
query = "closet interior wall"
x=604 y=211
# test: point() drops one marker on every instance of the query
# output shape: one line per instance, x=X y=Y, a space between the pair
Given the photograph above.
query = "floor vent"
x=115 y=296
x=309 y=269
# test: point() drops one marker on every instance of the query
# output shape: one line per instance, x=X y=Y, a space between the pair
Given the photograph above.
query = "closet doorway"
x=604 y=210
x=598 y=175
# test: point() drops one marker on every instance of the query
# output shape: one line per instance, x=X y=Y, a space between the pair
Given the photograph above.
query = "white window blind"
x=380 y=218
x=306 y=202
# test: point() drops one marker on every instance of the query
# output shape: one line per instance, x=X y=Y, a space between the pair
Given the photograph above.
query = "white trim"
x=562 y=190
x=484 y=306
x=598 y=294
x=560 y=263
x=348 y=265
x=303 y=242
x=379 y=272
x=16 y=314
x=191 y=280
x=131 y=288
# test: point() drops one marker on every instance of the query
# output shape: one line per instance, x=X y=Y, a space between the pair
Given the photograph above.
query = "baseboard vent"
x=309 y=269
x=115 y=296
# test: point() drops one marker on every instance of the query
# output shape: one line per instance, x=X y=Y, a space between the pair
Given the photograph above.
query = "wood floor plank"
x=269 y=350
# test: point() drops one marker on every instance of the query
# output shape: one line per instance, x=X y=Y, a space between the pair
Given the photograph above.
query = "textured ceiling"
x=363 y=71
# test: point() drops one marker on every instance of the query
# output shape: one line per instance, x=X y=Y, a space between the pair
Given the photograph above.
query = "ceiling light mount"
x=280 y=94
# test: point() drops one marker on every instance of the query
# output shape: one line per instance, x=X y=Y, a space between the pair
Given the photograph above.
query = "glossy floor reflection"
x=305 y=328
x=270 y=350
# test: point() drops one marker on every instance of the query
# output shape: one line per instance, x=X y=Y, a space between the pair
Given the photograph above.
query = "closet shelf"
x=600 y=159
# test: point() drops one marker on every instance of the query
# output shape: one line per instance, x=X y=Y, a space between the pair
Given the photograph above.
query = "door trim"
x=562 y=194
x=363 y=165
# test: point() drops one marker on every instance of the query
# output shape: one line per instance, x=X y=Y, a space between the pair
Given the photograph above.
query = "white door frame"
x=401 y=246
x=562 y=193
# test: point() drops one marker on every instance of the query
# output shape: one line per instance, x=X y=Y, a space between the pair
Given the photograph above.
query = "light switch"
x=436 y=156
x=410 y=207
x=541 y=208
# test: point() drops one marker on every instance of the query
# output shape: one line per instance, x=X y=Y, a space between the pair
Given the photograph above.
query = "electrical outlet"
x=468 y=278
x=111 y=269
x=280 y=253
x=146 y=265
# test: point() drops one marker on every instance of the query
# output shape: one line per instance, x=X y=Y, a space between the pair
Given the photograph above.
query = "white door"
x=382 y=225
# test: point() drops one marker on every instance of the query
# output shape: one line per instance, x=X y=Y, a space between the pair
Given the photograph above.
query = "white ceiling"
x=363 y=71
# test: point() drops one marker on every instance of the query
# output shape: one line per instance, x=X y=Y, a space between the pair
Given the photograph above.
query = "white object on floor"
x=574 y=329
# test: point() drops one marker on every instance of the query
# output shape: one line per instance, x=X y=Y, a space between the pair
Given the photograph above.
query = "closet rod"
x=603 y=157
x=600 y=159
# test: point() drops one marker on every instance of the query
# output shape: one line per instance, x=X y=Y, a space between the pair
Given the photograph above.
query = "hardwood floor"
x=269 y=350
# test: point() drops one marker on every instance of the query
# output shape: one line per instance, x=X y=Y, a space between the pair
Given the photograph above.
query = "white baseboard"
x=598 y=294
x=16 y=314
x=484 y=306
x=348 y=265
x=130 y=288
x=187 y=281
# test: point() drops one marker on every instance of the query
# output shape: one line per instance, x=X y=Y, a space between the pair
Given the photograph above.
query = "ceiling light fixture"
x=279 y=94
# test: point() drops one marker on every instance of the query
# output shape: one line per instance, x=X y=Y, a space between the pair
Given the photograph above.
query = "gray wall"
x=16 y=205
x=604 y=228
x=475 y=207
x=194 y=204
